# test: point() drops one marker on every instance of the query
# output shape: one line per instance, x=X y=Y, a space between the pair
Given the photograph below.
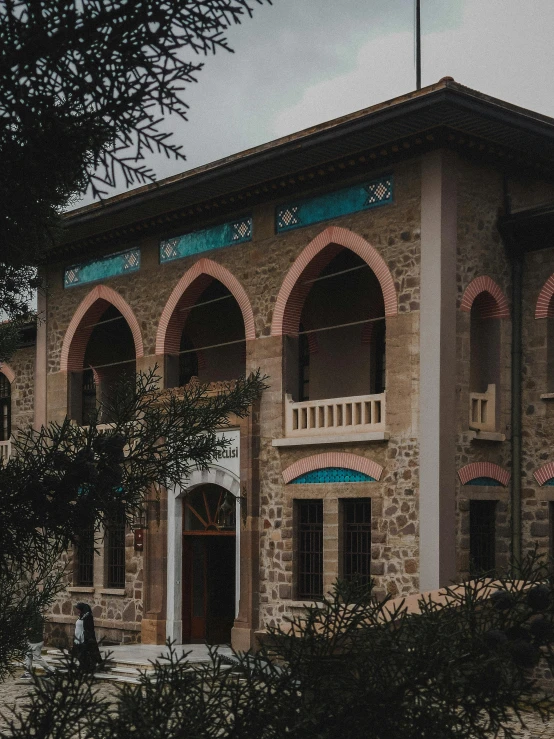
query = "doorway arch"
x=214 y=475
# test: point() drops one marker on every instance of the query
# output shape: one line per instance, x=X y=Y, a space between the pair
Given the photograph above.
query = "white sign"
x=229 y=457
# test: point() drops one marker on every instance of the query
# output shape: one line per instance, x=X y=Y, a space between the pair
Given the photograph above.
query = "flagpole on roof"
x=418 y=43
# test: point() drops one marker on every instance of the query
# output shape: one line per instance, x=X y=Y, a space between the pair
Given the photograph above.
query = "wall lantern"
x=138 y=539
x=139 y=526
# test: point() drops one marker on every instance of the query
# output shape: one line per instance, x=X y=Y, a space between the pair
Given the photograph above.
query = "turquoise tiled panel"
x=550 y=482
x=332 y=474
x=484 y=481
x=234 y=232
x=334 y=204
x=100 y=269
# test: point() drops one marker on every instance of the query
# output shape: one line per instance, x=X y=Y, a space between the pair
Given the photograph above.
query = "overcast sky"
x=301 y=62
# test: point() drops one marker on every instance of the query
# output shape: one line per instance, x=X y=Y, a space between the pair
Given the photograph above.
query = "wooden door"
x=208 y=568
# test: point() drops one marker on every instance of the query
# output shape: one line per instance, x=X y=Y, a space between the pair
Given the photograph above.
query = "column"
x=437 y=397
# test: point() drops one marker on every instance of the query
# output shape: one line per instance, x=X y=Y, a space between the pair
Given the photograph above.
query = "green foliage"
x=88 y=85
x=64 y=478
x=352 y=667
x=85 y=88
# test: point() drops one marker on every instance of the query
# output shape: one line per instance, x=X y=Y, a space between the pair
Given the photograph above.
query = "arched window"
x=5 y=408
x=212 y=336
x=484 y=374
x=108 y=370
x=545 y=309
x=486 y=303
x=550 y=354
x=343 y=309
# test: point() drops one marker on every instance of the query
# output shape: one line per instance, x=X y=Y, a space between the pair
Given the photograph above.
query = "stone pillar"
x=437 y=396
x=40 y=405
x=153 y=627
x=57 y=393
x=265 y=353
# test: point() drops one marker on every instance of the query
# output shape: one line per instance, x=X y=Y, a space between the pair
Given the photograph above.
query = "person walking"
x=85 y=644
x=35 y=643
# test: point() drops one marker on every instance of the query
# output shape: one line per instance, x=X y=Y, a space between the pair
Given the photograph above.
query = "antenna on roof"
x=418 y=43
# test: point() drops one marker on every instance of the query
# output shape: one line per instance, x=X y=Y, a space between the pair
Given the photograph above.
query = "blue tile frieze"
x=100 y=269
x=332 y=474
x=484 y=481
x=334 y=204
x=195 y=242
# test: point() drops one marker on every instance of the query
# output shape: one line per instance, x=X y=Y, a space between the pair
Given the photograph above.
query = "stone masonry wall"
x=117 y=612
x=395 y=232
x=23 y=386
x=260 y=266
x=537 y=411
x=481 y=252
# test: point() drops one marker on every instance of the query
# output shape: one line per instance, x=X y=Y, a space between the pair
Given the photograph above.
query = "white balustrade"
x=482 y=410
x=355 y=414
x=5 y=450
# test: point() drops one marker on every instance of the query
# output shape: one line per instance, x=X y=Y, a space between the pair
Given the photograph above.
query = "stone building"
x=392 y=272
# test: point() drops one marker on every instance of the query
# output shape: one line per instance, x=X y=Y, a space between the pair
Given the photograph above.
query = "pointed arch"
x=293 y=292
x=79 y=330
x=333 y=459
x=476 y=470
x=544 y=473
x=495 y=307
x=7 y=371
x=194 y=282
x=545 y=304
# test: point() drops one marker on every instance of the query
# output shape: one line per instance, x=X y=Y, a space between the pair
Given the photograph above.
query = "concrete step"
x=128 y=667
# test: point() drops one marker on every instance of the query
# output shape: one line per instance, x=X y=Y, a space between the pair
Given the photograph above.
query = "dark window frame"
x=5 y=408
x=116 y=530
x=355 y=543
x=551 y=531
x=482 y=536
x=309 y=548
x=84 y=573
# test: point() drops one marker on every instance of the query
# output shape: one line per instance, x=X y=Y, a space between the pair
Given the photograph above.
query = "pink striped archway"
x=545 y=304
x=495 y=307
x=483 y=469
x=333 y=459
x=7 y=371
x=81 y=325
x=544 y=473
x=189 y=288
x=318 y=253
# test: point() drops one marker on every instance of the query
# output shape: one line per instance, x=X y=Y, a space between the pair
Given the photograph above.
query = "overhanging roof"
x=446 y=113
x=531 y=229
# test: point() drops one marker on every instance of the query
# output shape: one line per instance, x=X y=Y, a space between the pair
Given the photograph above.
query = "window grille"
x=482 y=536
x=5 y=408
x=85 y=558
x=115 y=538
x=310 y=549
x=356 y=539
x=89 y=397
x=551 y=527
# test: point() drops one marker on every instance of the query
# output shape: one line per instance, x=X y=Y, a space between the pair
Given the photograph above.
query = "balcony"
x=334 y=420
x=5 y=451
x=482 y=415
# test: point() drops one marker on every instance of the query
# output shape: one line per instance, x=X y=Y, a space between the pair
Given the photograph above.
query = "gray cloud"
x=301 y=62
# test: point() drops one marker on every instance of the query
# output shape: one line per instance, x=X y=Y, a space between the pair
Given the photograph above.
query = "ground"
x=14 y=691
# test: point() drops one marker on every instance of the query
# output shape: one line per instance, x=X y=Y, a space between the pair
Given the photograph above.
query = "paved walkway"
x=141 y=654
x=14 y=691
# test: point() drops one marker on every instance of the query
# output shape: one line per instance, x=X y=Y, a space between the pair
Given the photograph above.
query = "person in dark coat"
x=85 y=646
